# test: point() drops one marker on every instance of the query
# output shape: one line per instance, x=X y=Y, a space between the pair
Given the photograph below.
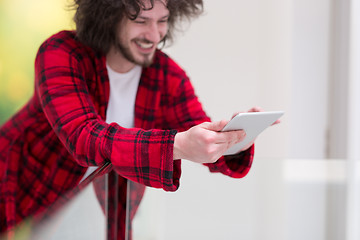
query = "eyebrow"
x=146 y=18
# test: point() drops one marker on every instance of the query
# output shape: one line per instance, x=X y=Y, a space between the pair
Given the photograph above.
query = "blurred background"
x=299 y=56
x=24 y=25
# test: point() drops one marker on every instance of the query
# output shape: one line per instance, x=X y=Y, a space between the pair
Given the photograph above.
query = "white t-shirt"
x=121 y=106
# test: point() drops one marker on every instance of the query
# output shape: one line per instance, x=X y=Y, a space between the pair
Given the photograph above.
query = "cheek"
x=163 y=30
x=129 y=32
x=122 y=37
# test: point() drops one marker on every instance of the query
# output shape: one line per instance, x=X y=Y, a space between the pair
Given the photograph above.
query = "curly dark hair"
x=96 y=20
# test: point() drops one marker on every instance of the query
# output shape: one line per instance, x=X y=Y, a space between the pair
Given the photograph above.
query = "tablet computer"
x=253 y=123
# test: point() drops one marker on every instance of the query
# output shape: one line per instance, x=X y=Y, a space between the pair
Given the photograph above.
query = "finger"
x=256 y=109
x=230 y=137
x=226 y=146
x=241 y=136
x=276 y=122
x=216 y=126
x=234 y=115
x=253 y=109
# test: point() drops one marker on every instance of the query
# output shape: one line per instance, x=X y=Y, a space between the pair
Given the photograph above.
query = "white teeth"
x=145 y=45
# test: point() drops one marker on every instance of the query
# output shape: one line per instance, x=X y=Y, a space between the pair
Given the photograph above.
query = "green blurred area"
x=24 y=25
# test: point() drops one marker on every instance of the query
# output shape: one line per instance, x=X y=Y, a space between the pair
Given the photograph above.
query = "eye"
x=163 y=21
x=139 y=22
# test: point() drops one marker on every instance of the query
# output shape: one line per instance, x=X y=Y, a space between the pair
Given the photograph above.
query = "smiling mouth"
x=144 y=44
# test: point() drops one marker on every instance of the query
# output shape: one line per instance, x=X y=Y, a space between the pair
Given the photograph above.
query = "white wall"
x=310 y=79
x=353 y=206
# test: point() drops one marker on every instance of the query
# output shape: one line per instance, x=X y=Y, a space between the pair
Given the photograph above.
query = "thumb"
x=216 y=126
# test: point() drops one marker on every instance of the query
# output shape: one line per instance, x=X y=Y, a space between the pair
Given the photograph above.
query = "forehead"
x=148 y=4
x=156 y=7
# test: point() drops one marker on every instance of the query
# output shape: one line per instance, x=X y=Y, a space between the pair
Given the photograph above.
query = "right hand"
x=204 y=143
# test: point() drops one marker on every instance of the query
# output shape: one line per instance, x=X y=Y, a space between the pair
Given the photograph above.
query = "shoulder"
x=165 y=63
x=67 y=42
x=63 y=40
x=168 y=73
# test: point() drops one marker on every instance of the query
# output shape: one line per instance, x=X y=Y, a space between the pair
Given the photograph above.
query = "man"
x=105 y=93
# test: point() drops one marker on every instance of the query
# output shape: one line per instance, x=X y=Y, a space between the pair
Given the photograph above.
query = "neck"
x=118 y=62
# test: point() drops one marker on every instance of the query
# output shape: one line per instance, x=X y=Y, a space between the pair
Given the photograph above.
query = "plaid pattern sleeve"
x=62 y=76
x=236 y=166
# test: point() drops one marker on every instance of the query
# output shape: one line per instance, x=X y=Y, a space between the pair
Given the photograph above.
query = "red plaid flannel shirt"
x=46 y=147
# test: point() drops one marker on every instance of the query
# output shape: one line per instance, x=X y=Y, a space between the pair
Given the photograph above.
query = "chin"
x=146 y=61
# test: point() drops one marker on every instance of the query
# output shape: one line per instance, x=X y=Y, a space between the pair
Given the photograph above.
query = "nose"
x=155 y=33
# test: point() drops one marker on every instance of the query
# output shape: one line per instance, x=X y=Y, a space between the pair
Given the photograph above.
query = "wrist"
x=177 y=153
